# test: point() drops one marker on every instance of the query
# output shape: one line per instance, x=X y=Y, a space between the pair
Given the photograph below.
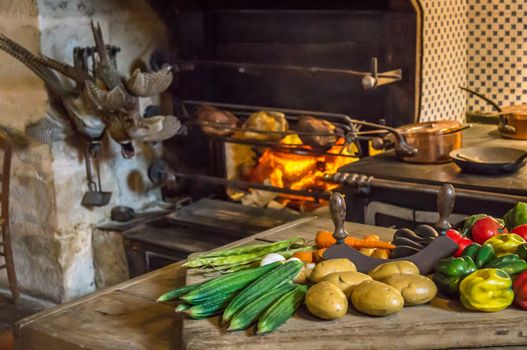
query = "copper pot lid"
x=431 y=128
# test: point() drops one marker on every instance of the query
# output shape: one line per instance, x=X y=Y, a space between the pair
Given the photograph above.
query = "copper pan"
x=512 y=119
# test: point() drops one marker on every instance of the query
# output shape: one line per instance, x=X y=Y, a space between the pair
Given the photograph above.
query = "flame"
x=301 y=172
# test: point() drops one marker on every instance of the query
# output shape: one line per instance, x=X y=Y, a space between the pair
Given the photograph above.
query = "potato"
x=393 y=268
x=326 y=267
x=415 y=289
x=300 y=278
x=326 y=300
x=376 y=298
x=347 y=280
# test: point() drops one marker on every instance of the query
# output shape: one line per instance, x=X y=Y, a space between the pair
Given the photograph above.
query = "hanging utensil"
x=94 y=197
x=489 y=160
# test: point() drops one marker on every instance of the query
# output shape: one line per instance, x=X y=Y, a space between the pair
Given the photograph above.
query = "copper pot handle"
x=504 y=127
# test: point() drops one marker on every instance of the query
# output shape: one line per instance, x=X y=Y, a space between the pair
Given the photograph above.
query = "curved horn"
x=114 y=100
x=149 y=84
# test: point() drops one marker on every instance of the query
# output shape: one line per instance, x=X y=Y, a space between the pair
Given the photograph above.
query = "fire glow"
x=300 y=172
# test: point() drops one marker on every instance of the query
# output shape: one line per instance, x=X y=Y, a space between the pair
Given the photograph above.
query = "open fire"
x=284 y=169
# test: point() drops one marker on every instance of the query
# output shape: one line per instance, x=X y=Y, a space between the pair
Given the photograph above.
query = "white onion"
x=271 y=258
x=293 y=259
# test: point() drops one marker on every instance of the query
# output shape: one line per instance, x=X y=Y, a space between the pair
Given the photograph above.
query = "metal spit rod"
x=251 y=185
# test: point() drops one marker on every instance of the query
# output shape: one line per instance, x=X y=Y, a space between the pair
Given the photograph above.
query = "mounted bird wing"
x=157 y=128
x=149 y=84
x=108 y=101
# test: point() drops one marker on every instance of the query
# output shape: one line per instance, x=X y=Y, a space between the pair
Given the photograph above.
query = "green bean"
x=268 y=247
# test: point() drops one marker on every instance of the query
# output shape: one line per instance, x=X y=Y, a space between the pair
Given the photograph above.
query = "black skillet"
x=489 y=160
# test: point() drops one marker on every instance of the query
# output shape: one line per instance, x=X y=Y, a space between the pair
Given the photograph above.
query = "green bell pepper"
x=512 y=264
x=484 y=254
x=521 y=251
x=505 y=243
x=456 y=267
x=486 y=290
x=480 y=254
x=471 y=250
x=516 y=216
x=448 y=286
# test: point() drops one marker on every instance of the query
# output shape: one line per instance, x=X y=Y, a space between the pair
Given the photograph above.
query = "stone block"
x=109 y=258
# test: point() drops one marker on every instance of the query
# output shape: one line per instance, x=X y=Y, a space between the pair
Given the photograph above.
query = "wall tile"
x=497 y=52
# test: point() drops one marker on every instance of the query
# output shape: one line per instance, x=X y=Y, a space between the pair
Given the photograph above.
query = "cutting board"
x=441 y=324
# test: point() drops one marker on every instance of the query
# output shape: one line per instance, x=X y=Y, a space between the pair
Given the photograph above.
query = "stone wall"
x=52 y=232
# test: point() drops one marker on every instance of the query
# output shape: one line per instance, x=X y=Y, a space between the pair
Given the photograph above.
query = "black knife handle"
x=337 y=208
x=445 y=204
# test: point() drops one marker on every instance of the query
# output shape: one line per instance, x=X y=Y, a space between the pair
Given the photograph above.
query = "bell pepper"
x=520 y=290
x=484 y=254
x=456 y=267
x=469 y=223
x=448 y=286
x=516 y=216
x=471 y=250
x=486 y=290
x=512 y=264
x=505 y=243
x=521 y=251
x=461 y=241
x=520 y=230
x=480 y=254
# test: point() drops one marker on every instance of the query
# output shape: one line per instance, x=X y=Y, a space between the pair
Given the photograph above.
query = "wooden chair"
x=5 y=244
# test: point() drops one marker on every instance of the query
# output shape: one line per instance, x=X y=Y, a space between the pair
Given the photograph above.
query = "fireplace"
x=338 y=62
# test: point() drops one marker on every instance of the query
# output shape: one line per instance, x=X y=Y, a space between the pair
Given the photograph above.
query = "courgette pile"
x=265 y=295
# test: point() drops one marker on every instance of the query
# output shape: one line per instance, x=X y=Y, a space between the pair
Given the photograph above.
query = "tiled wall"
x=481 y=44
x=497 y=52
x=444 y=59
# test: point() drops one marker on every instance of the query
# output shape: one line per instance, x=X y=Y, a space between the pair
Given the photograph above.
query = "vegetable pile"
x=265 y=295
x=237 y=259
x=489 y=269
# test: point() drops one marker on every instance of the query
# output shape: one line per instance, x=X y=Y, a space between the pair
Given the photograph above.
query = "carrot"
x=319 y=254
x=366 y=243
x=324 y=239
x=372 y=237
x=306 y=257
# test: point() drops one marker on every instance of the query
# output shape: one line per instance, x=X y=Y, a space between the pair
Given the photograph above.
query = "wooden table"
x=126 y=316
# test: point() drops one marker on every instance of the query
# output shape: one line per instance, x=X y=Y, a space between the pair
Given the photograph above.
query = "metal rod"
x=242 y=67
x=248 y=185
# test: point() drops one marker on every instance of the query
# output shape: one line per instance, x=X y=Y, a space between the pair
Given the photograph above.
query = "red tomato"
x=521 y=230
x=484 y=229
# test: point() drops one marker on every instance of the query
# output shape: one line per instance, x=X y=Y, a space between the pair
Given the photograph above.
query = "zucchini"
x=210 y=307
x=182 y=307
x=252 y=311
x=226 y=284
x=176 y=293
x=273 y=279
x=282 y=309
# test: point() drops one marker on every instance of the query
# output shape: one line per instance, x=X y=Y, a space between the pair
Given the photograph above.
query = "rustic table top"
x=126 y=316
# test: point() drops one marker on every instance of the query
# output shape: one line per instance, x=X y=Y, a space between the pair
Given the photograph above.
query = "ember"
x=300 y=172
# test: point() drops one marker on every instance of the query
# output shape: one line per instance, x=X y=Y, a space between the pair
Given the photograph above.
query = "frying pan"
x=489 y=160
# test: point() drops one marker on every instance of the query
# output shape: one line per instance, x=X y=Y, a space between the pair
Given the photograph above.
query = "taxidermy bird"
x=93 y=104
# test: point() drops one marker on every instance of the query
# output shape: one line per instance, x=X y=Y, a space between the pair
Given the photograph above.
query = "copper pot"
x=433 y=140
x=513 y=122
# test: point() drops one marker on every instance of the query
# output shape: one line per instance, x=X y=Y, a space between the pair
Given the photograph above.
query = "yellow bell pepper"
x=505 y=243
x=486 y=290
